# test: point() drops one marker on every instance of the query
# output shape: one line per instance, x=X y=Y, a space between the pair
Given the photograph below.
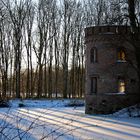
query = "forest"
x=42 y=49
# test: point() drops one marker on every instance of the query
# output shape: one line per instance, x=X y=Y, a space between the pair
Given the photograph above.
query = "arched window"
x=121 y=55
x=93 y=55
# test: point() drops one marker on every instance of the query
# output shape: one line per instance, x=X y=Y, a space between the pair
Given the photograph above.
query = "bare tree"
x=135 y=37
x=5 y=49
x=28 y=44
x=17 y=13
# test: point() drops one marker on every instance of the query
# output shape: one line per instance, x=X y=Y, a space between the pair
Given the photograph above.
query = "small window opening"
x=93 y=84
x=93 y=55
x=121 y=55
x=122 y=85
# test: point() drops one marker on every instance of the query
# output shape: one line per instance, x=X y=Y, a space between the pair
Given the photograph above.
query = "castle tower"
x=111 y=69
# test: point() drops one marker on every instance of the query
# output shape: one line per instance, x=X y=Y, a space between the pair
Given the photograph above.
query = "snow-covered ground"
x=51 y=120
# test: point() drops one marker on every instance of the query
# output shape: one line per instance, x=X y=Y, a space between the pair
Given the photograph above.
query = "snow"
x=42 y=103
x=121 y=61
x=51 y=120
x=132 y=111
x=116 y=93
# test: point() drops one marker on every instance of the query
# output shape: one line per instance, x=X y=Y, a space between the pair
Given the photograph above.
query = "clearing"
x=51 y=120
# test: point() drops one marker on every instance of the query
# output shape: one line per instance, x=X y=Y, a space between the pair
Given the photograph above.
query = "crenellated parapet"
x=97 y=30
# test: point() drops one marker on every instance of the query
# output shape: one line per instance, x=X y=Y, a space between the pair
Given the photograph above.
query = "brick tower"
x=111 y=69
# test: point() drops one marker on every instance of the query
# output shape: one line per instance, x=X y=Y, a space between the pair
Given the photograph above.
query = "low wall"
x=106 y=104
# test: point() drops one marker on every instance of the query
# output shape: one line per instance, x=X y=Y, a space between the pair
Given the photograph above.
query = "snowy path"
x=66 y=124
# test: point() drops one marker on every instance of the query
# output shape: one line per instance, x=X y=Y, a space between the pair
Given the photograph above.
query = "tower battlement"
x=96 y=30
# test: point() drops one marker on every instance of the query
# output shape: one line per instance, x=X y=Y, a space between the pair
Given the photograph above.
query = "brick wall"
x=107 y=40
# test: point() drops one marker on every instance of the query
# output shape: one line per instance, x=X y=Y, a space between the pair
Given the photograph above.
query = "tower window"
x=93 y=55
x=121 y=55
x=93 y=84
x=121 y=85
